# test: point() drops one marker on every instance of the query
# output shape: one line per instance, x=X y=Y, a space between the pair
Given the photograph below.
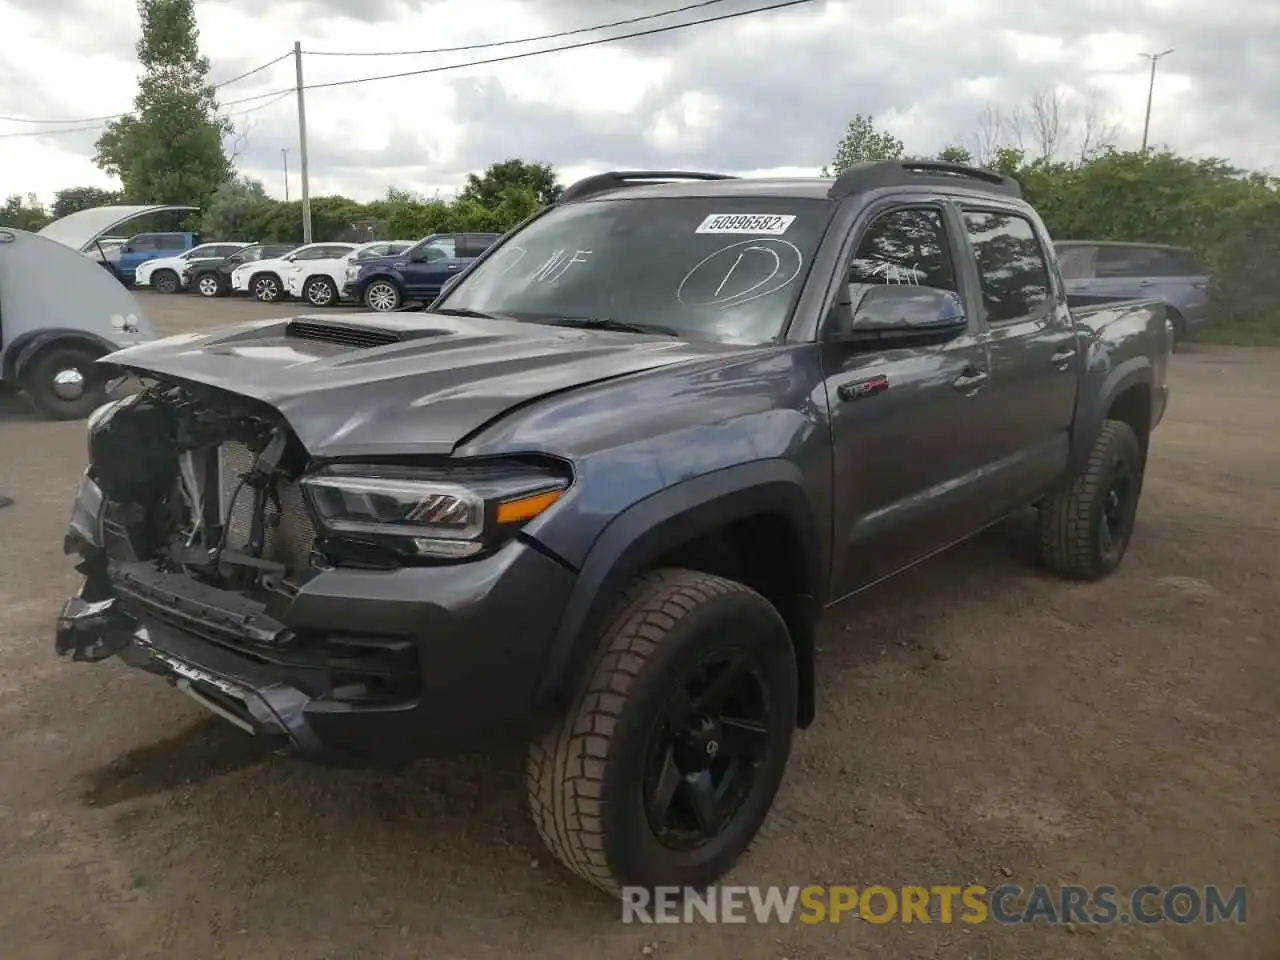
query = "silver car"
x=1114 y=270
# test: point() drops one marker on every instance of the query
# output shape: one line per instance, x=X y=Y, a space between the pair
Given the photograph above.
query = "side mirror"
x=880 y=311
x=126 y=248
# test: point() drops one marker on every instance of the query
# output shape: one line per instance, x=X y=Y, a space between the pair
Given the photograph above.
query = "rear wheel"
x=57 y=381
x=320 y=292
x=382 y=296
x=1085 y=527
x=663 y=770
x=266 y=287
x=164 y=281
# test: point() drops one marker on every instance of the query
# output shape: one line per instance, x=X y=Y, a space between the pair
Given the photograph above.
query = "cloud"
x=770 y=91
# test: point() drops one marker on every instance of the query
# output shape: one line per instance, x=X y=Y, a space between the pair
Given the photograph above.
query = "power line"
x=98 y=126
x=275 y=95
x=529 y=53
x=117 y=116
x=507 y=43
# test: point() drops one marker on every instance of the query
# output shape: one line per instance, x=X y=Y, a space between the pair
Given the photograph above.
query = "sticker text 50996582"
x=755 y=224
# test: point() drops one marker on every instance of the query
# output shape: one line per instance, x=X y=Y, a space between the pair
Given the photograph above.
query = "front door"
x=1035 y=357
x=909 y=441
x=439 y=260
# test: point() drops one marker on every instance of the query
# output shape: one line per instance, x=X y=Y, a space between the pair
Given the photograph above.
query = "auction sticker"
x=755 y=224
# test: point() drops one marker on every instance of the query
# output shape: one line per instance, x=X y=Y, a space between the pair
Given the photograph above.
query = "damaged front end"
x=191 y=527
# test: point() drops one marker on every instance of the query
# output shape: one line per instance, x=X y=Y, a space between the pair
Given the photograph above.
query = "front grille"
x=290 y=541
x=351 y=336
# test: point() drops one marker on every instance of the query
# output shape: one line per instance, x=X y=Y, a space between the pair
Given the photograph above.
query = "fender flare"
x=25 y=348
x=663 y=521
x=1136 y=371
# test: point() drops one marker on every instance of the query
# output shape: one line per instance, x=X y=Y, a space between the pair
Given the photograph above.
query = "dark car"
x=1111 y=270
x=419 y=273
x=214 y=279
x=596 y=498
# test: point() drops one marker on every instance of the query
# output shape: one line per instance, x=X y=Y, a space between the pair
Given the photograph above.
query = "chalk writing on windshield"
x=509 y=256
x=555 y=266
x=740 y=273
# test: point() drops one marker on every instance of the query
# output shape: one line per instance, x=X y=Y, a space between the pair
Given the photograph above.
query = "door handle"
x=454 y=266
x=1146 y=283
x=1062 y=359
x=971 y=380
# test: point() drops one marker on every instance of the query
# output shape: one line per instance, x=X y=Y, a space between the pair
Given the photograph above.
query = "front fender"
x=658 y=524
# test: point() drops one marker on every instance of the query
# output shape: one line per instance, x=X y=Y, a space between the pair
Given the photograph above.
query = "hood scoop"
x=352 y=334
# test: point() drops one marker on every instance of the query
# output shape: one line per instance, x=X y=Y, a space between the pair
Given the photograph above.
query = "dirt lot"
x=979 y=722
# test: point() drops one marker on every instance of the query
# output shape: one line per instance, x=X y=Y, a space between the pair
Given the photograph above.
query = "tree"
x=170 y=148
x=233 y=209
x=25 y=213
x=489 y=188
x=862 y=141
x=955 y=154
x=73 y=199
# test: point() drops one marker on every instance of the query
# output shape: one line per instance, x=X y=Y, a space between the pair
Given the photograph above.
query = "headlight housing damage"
x=449 y=512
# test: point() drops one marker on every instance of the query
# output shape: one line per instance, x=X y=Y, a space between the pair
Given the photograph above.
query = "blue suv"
x=385 y=283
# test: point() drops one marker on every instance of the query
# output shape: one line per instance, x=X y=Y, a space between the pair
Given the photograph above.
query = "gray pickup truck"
x=596 y=498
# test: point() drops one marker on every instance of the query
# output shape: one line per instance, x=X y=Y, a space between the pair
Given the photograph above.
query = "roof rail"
x=590 y=186
x=874 y=174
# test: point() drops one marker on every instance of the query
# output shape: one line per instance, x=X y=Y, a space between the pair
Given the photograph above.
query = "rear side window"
x=906 y=246
x=171 y=242
x=1127 y=262
x=471 y=245
x=1012 y=268
x=1076 y=263
x=143 y=242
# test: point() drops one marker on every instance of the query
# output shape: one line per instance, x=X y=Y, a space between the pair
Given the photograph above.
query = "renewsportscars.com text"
x=944 y=903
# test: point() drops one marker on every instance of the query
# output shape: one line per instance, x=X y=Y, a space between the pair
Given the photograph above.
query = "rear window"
x=723 y=269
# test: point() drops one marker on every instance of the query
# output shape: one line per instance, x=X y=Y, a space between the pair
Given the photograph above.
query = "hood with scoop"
x=401 y=384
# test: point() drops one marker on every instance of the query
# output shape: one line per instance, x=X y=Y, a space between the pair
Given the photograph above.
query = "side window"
x=471 y=245
x=442 y=249
x=1126 y=262
x=1076 y=263
x=907 y=246
x=143 y=243
x=311 y=253
x=1183 y=263
x=171 y=242
x=226 y=250
x=1011 y=264
x=330 y=252
x=368 y=253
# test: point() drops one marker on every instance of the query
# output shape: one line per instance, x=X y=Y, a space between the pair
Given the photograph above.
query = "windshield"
x=723 y=269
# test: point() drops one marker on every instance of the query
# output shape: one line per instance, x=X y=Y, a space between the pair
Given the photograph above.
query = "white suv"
x=167 y=274
x=319 y=281
x=265 y=278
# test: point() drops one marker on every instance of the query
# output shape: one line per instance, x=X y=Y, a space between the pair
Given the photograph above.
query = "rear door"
x=909 y=439
x=1034 y=355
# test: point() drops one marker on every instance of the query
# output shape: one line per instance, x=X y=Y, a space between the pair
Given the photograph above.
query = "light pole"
x=284 y=160
x=1151 y=86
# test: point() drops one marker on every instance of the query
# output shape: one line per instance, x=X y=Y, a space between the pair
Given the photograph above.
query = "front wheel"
x=164 y=281
x=58 y=383
x=208 y=285
x=266 y=287
x=663 y=770
x=382 y=296
x=1086 y=526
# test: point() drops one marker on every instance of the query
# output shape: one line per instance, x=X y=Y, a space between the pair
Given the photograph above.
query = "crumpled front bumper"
x=476 y=636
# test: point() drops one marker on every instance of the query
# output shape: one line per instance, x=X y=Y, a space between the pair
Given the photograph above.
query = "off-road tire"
x=584 y=778
x=164 y=281
x=37 y=380
x=1071 y=543
x=314 y=286
x=266 y=287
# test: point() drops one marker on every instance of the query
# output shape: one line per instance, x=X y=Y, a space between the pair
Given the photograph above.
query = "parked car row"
x=383 y=275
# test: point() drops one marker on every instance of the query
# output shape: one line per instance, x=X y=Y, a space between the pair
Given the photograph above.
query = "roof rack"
x=874 y=174
x=590 y=186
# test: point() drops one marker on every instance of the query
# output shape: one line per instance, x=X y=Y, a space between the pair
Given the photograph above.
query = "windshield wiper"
x=610 y=323
x=468 y=312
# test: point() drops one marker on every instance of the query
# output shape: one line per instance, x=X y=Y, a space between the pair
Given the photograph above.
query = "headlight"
x=353 y=270
x=444 y=512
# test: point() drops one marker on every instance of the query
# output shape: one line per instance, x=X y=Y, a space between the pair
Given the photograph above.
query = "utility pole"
x=302 y=145
x=284 y=161
x=1151 y=87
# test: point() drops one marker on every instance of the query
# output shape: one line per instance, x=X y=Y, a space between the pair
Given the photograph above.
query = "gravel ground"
x=979 y=721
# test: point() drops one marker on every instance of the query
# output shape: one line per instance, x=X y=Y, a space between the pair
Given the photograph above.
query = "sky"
x=768 y=93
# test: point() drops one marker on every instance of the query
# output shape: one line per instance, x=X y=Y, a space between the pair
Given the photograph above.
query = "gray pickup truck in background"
x=595 y=499
x=1099 y=271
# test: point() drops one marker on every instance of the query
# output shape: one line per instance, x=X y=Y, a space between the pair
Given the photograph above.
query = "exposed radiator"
x=290 y=542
